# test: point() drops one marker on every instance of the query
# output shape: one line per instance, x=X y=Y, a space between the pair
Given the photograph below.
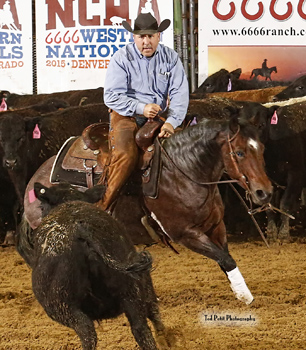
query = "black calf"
x=85 y=268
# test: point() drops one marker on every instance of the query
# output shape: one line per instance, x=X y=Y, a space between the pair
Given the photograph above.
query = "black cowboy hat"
x=145 y=23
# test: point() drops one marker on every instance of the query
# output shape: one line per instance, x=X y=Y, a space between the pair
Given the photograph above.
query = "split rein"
x=204 y=183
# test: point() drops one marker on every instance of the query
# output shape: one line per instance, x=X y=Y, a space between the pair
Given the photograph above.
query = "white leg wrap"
x=239 y=286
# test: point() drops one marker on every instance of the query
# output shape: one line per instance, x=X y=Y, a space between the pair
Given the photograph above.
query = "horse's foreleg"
x=202 y=244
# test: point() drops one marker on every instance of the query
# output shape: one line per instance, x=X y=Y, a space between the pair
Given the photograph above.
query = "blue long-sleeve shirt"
x=133 y=80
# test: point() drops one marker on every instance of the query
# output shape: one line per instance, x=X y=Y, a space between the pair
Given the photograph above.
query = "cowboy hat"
x=145 y=23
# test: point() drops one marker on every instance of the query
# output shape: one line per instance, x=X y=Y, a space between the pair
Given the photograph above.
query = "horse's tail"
x=252 y=73
x=24 y=241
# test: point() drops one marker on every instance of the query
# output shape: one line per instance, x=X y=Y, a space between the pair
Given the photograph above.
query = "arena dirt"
x=196 y=303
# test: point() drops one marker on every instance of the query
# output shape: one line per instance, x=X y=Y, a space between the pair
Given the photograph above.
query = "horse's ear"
x=234 y=123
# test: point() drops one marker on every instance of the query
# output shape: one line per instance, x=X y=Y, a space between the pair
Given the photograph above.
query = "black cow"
x=72 y=97
x=223 y=81
x=285 y=152
x=22 y=154
x=222 y=108
x=85 y=268
x=49 y=105
x=8 y=205
x=220 y=81
x=45 y=106
x=296 y=89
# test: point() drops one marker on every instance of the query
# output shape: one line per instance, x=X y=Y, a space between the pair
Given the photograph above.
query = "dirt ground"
x=196 y=303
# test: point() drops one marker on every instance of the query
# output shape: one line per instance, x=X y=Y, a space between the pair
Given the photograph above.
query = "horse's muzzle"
x=261 y=196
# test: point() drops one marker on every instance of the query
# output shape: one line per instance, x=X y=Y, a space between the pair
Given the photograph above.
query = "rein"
x=211 y=182
x=252 y=212
x=265 y=207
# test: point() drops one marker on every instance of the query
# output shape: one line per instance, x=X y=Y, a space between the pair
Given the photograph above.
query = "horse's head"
x=243 y=159
x=274 y=69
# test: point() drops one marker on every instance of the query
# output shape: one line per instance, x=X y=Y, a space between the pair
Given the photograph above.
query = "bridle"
x=233 y=157
x=241 y=179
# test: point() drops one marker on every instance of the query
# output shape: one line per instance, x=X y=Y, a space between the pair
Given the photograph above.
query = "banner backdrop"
x=246 y=34
x=16 y=46
x=77 y=38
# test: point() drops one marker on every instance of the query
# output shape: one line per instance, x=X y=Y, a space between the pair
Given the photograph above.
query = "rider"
x=140 y=79
x=264 y=65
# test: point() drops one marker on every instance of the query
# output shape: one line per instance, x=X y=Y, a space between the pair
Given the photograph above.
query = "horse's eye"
x=240 y=154
x=300 y=87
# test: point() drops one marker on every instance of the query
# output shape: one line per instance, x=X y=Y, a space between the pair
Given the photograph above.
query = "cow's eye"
x=240 y=154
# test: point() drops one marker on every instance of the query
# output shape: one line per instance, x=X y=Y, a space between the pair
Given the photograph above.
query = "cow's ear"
x=31 y=122
x=231 y=111
x=41 y=192
x=95 y=193
x=234 y=124
x=259 y=120
x=4 y=94
x=272 y=109
x=235 y=74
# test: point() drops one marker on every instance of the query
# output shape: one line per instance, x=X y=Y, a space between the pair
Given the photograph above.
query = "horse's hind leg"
x=201 y=244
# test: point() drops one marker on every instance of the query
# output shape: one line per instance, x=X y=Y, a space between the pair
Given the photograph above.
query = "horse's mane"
x=196 y=145
x=196 y=148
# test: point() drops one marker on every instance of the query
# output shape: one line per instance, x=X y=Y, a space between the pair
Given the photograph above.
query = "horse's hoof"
x=239 y=286
x=245 y=296
x=9 y=239
x=284 y=236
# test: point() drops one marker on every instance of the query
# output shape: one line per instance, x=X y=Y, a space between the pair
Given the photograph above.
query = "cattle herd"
x=68 y=241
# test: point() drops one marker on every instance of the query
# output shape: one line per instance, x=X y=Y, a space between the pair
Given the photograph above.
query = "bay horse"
x=189 y=209
x=264 y=73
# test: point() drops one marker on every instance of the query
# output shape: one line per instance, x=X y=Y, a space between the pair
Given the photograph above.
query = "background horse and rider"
x=266 y=73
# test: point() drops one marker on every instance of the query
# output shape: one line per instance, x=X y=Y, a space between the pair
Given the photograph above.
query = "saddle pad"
x=74 y=177
x=150 y=187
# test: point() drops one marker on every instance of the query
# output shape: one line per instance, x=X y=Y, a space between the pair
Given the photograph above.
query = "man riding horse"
x=139 y=79
x=264 y=71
